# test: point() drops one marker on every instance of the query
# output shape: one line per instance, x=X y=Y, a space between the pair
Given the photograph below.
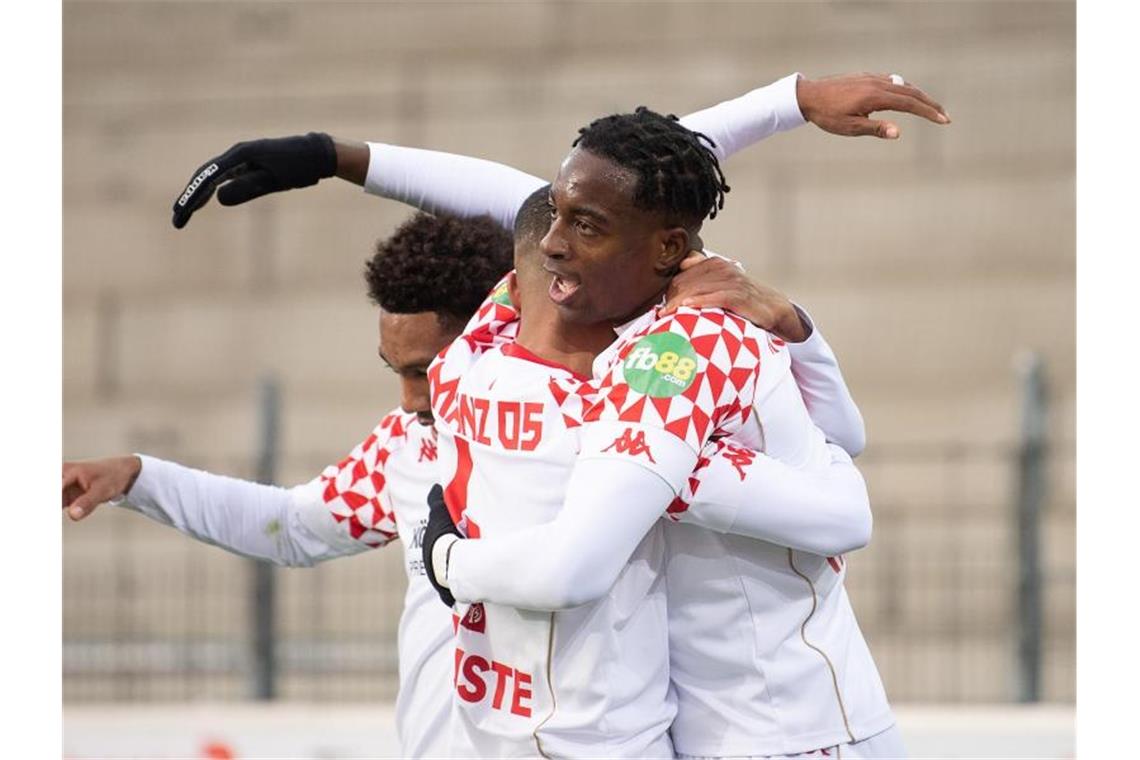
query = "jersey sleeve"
x=436 y=181
x=735 y=124
x=575 y=558
x=824 y=511
x=825 y=393
x=343 y=511
x=349 y=506
x=685 y=379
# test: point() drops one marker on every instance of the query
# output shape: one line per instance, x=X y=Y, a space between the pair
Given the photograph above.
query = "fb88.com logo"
x=661 y=365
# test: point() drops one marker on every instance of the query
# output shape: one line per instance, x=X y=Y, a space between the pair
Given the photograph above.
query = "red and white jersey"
x=585 y=681
x=589 y=680
x=377 y=492
x=766 y=656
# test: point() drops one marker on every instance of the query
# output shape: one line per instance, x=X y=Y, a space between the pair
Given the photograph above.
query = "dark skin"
x=713 y=283
x=408 y=343
x=610 y=259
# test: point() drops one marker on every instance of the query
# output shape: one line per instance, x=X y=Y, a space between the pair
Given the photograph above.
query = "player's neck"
x=656 y=300
x=572 y=346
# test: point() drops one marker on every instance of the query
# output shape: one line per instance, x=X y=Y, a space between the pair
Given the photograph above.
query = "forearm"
x=825 y=393
x=445 y=182
x=824 y=512
x=738 y=123
x=575 y=558
x=243 y=517
x=351 y=160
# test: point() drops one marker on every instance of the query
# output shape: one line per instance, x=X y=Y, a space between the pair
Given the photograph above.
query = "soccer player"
x=839 y=105
x=380 y=490
x=593 y=680
x=626 y=204
x=427 y=280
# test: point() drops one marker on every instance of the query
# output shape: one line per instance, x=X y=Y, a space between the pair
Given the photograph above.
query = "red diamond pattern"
x=354 y=487
x=716 y=403
x=492 y=325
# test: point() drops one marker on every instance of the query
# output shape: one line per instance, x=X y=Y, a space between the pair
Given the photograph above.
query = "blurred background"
x=940 y=267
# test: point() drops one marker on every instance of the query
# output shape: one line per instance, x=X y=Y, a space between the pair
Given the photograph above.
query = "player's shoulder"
x=494 y=314
x=387 y=437
x=698 y=338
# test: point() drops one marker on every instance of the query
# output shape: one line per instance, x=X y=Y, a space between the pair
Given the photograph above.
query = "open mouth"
x=562 y=286
x=562 y=290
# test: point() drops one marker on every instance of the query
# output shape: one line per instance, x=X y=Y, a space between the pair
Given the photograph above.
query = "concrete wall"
x=930 y=263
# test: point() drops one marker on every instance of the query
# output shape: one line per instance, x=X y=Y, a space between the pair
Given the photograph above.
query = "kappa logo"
x=739 y=458
x=475 y=619
x=205 y=173
x=428 y=451
x=628 y=443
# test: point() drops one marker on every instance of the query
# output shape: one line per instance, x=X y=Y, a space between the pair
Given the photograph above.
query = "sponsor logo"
x=628 y=443
x=195 y=182
x=418 y=535
x=475 y=619
x=661 y=365
x=428 y=451
x=502 y=295
x=474 y=675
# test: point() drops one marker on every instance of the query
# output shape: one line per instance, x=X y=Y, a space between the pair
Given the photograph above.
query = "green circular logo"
x=663 y=364
x=502 y=295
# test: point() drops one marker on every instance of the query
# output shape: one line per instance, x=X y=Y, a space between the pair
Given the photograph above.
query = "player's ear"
x=513 y=291
x=676 y=242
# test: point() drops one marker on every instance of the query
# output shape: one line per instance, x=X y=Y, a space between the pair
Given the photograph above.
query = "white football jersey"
x=592 y=680
x=377 y=492
x=766 y=656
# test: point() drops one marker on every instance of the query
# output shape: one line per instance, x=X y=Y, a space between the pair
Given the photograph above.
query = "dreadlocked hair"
x=443 y=263
x=677 y=172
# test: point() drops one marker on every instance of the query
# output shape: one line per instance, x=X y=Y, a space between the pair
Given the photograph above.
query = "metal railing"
x=957 y=595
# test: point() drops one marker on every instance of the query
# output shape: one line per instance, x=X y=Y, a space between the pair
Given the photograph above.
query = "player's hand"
x=255 y=168
x=711 y=282
x=88 y=484
x=842 y=104
x=439 y=526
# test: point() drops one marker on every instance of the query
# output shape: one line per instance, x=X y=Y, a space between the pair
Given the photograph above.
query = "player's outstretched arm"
x=840 y=105
x=288 y=527
x=470 y=187
x=740 y=491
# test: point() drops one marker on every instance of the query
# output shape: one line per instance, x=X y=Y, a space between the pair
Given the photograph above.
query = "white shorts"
x=885 y=745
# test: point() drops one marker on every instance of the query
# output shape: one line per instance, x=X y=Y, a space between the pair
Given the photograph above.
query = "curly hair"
x=443 y=264
x=677 y=172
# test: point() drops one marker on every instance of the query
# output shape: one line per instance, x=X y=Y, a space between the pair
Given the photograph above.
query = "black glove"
x=255 y=168
x=439 y=524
